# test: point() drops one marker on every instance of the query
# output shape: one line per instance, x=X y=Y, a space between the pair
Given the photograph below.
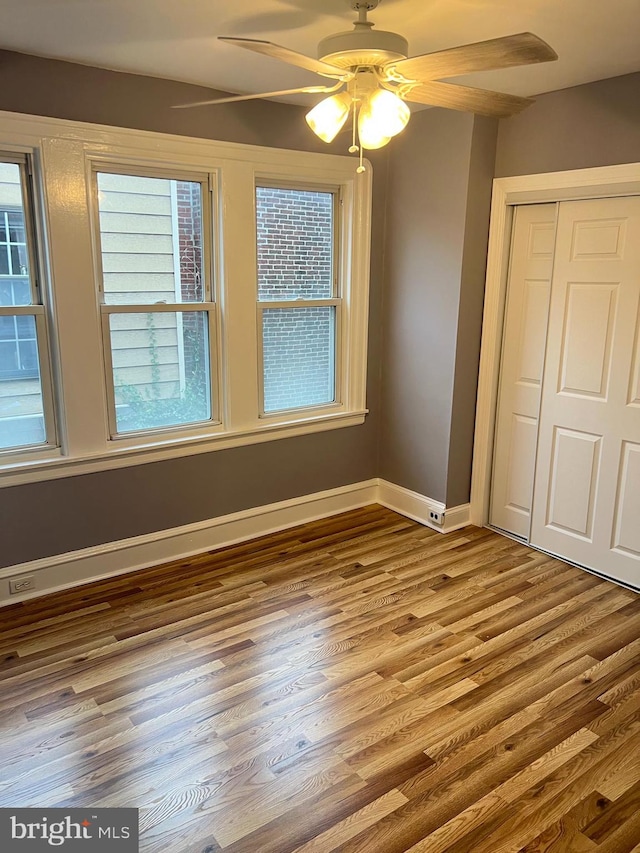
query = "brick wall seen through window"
x=295 y=240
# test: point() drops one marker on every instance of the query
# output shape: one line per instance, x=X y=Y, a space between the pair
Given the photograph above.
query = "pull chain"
x=354 y=147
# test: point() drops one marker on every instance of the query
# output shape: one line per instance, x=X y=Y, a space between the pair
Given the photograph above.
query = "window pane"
x=19 y=259
x=25 y=327
x=299 y=357
x=160 y=369
x=14 y=258
x=295 y=244
x=7 y=328
x=8 y=354
x=14 y=291
x=15 y=221
x=21 y=410
x=18 y=349
x=28 y=356
x=151 y=239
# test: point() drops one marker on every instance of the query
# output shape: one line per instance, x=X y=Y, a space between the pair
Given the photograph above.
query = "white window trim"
x=64 y=152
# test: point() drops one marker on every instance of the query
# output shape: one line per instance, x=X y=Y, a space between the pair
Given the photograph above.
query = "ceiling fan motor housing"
x=362 y=46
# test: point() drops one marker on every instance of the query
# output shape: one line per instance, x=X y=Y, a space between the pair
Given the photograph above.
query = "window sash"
x=210 y=310
x=36 y=309
x=6 y=243
x=208 y=199
x=299 y=303
x=335 y=300
x=44 y=377
x=337 y=355
x=17 y=339
x=208 y=196
x=336 y=226
x=23 y=161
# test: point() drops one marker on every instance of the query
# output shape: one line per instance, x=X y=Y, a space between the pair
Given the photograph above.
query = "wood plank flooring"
x=361 y=683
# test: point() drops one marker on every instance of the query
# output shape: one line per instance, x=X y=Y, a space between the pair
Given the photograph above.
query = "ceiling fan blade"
x=276 y=51
x=520 y=49
x=463 y=98
x=306 y=90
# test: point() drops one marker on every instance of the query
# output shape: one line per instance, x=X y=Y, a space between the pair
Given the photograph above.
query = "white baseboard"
x=419 y=508
x=457 y=517
x=411 y=504
x=127 y=555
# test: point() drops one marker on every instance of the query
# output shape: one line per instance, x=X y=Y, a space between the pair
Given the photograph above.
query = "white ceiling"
x=176 y=39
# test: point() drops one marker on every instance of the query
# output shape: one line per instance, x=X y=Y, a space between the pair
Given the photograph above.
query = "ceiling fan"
x=378 y=77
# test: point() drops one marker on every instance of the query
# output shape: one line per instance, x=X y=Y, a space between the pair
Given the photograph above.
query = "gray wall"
x=431 y=190
x=61 y=515
x=88 y=510
x=49 y=87
x=472 y=280
x=597 y=124
x=440 y=177
x=437 y=224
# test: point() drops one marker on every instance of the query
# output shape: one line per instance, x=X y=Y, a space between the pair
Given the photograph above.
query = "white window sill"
x=31 y=469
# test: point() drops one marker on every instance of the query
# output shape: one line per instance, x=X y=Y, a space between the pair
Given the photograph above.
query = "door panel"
x=586 y=504
x=627 y=527
x=519 y=487
x=634 y=385
x=603 y=239
x=530 y=359
x=575 y=463
x=586 y=358
x=522 y=365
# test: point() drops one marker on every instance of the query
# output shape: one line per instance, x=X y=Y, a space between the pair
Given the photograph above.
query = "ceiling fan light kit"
x=386 y=111
x=328 y=117
x=380 y=77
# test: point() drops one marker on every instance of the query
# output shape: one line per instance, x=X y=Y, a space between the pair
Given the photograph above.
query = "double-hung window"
x=183 y=295
x=299 y=304
x=26 y=412
x=158 y=317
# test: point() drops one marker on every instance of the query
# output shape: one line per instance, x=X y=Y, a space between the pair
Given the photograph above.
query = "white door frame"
x=601 y=182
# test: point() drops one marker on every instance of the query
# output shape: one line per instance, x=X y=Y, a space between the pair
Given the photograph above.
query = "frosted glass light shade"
x=382 y=116
x=370 y=135
x=327 y=118
x=390 y=110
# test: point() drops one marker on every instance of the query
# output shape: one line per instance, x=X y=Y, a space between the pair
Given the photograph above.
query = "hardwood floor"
x=361 y=683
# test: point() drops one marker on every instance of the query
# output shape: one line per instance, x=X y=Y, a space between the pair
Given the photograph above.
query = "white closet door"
x=525 y=335
x=587 y=487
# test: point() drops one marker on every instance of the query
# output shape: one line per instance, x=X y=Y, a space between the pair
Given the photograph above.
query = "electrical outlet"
x=21 y=584
x=436 y=517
